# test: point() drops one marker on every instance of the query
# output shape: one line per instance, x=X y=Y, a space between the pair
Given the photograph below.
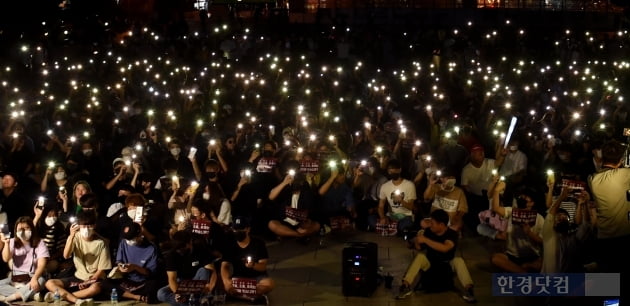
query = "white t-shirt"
x=478 y=179
x=514 y=162
x=406 y=188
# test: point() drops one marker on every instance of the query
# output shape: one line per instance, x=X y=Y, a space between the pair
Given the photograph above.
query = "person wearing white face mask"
x=54 y=235
x=54 y=179
x=29 y=255
x=512 y=162
x=445 y=195
x=90 y=255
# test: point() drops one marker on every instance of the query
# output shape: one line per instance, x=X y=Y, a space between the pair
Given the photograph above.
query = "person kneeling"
x=91 y=259
x=246 y=259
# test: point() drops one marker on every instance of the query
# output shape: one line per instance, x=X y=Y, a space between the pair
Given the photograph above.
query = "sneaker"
x=469 y=296
x=404 y=292
x=86 y=302
x=37 y=297
x=49 y=297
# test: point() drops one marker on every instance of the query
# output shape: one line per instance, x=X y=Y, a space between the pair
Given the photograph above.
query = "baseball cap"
x=476 y=147
x=240 y=223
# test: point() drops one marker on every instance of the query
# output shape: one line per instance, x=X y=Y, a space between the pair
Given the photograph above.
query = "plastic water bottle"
x=114 y=297
x=57 y=297
x=191 y=300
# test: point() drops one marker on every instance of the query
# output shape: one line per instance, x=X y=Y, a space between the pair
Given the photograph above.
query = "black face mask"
x=267 y=153
x=521 y=203
x=211 y=175
x=394 y=176
x=240 y=235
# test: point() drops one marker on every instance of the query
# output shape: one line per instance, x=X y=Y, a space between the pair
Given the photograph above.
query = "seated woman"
x=29 y=255
x=54 y=234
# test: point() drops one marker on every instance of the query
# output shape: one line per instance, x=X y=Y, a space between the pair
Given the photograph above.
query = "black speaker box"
x=359 y=268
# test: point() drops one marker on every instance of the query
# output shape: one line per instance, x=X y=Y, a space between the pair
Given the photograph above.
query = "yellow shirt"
x=90 y=256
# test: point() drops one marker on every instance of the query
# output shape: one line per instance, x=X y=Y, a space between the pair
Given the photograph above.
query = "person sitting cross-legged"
x=91 y=259
x=246 y=257
x=136 y=260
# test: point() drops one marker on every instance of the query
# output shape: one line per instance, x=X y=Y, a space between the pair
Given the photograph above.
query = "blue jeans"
x=166 y=295
x=6 y=288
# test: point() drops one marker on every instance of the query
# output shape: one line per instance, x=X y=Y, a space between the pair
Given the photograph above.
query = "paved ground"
x=310 y=275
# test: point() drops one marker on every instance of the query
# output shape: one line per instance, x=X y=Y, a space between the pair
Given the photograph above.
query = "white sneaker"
x=49 y=297
x=82 y=302
x=37 y=297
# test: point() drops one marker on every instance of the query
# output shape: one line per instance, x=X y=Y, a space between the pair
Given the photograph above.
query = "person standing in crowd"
x=611 y=192
x=435 y=267
x=91 y=261
x=29 y=255
x=246 y=257
x=400 y=195
x=476 y=177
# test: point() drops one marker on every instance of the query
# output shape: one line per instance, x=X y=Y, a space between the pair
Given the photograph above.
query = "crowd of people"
x=146 y=145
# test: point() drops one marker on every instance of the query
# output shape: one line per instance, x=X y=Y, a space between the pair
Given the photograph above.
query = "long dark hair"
x=34 y=241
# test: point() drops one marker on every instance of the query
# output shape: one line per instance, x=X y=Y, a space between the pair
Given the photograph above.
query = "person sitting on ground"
x=448 y=197
x=91 y=259
x=399 y=194
x=29 y=255
x=246 y=257
x=298 y=200
x=523 y=240
x=439 y=261
x=184 y=262
x=136 y=262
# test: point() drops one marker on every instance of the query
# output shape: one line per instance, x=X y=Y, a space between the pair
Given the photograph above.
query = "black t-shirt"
x=435 y=256
x=186 y=265
x=237 y=256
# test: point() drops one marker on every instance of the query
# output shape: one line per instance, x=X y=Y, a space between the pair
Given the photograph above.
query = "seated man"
x=439 y=261
x=399 y=194
x=443 y=193
x=246 y=257
x=183 y=262
x=136 y=262
x=91 y=260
